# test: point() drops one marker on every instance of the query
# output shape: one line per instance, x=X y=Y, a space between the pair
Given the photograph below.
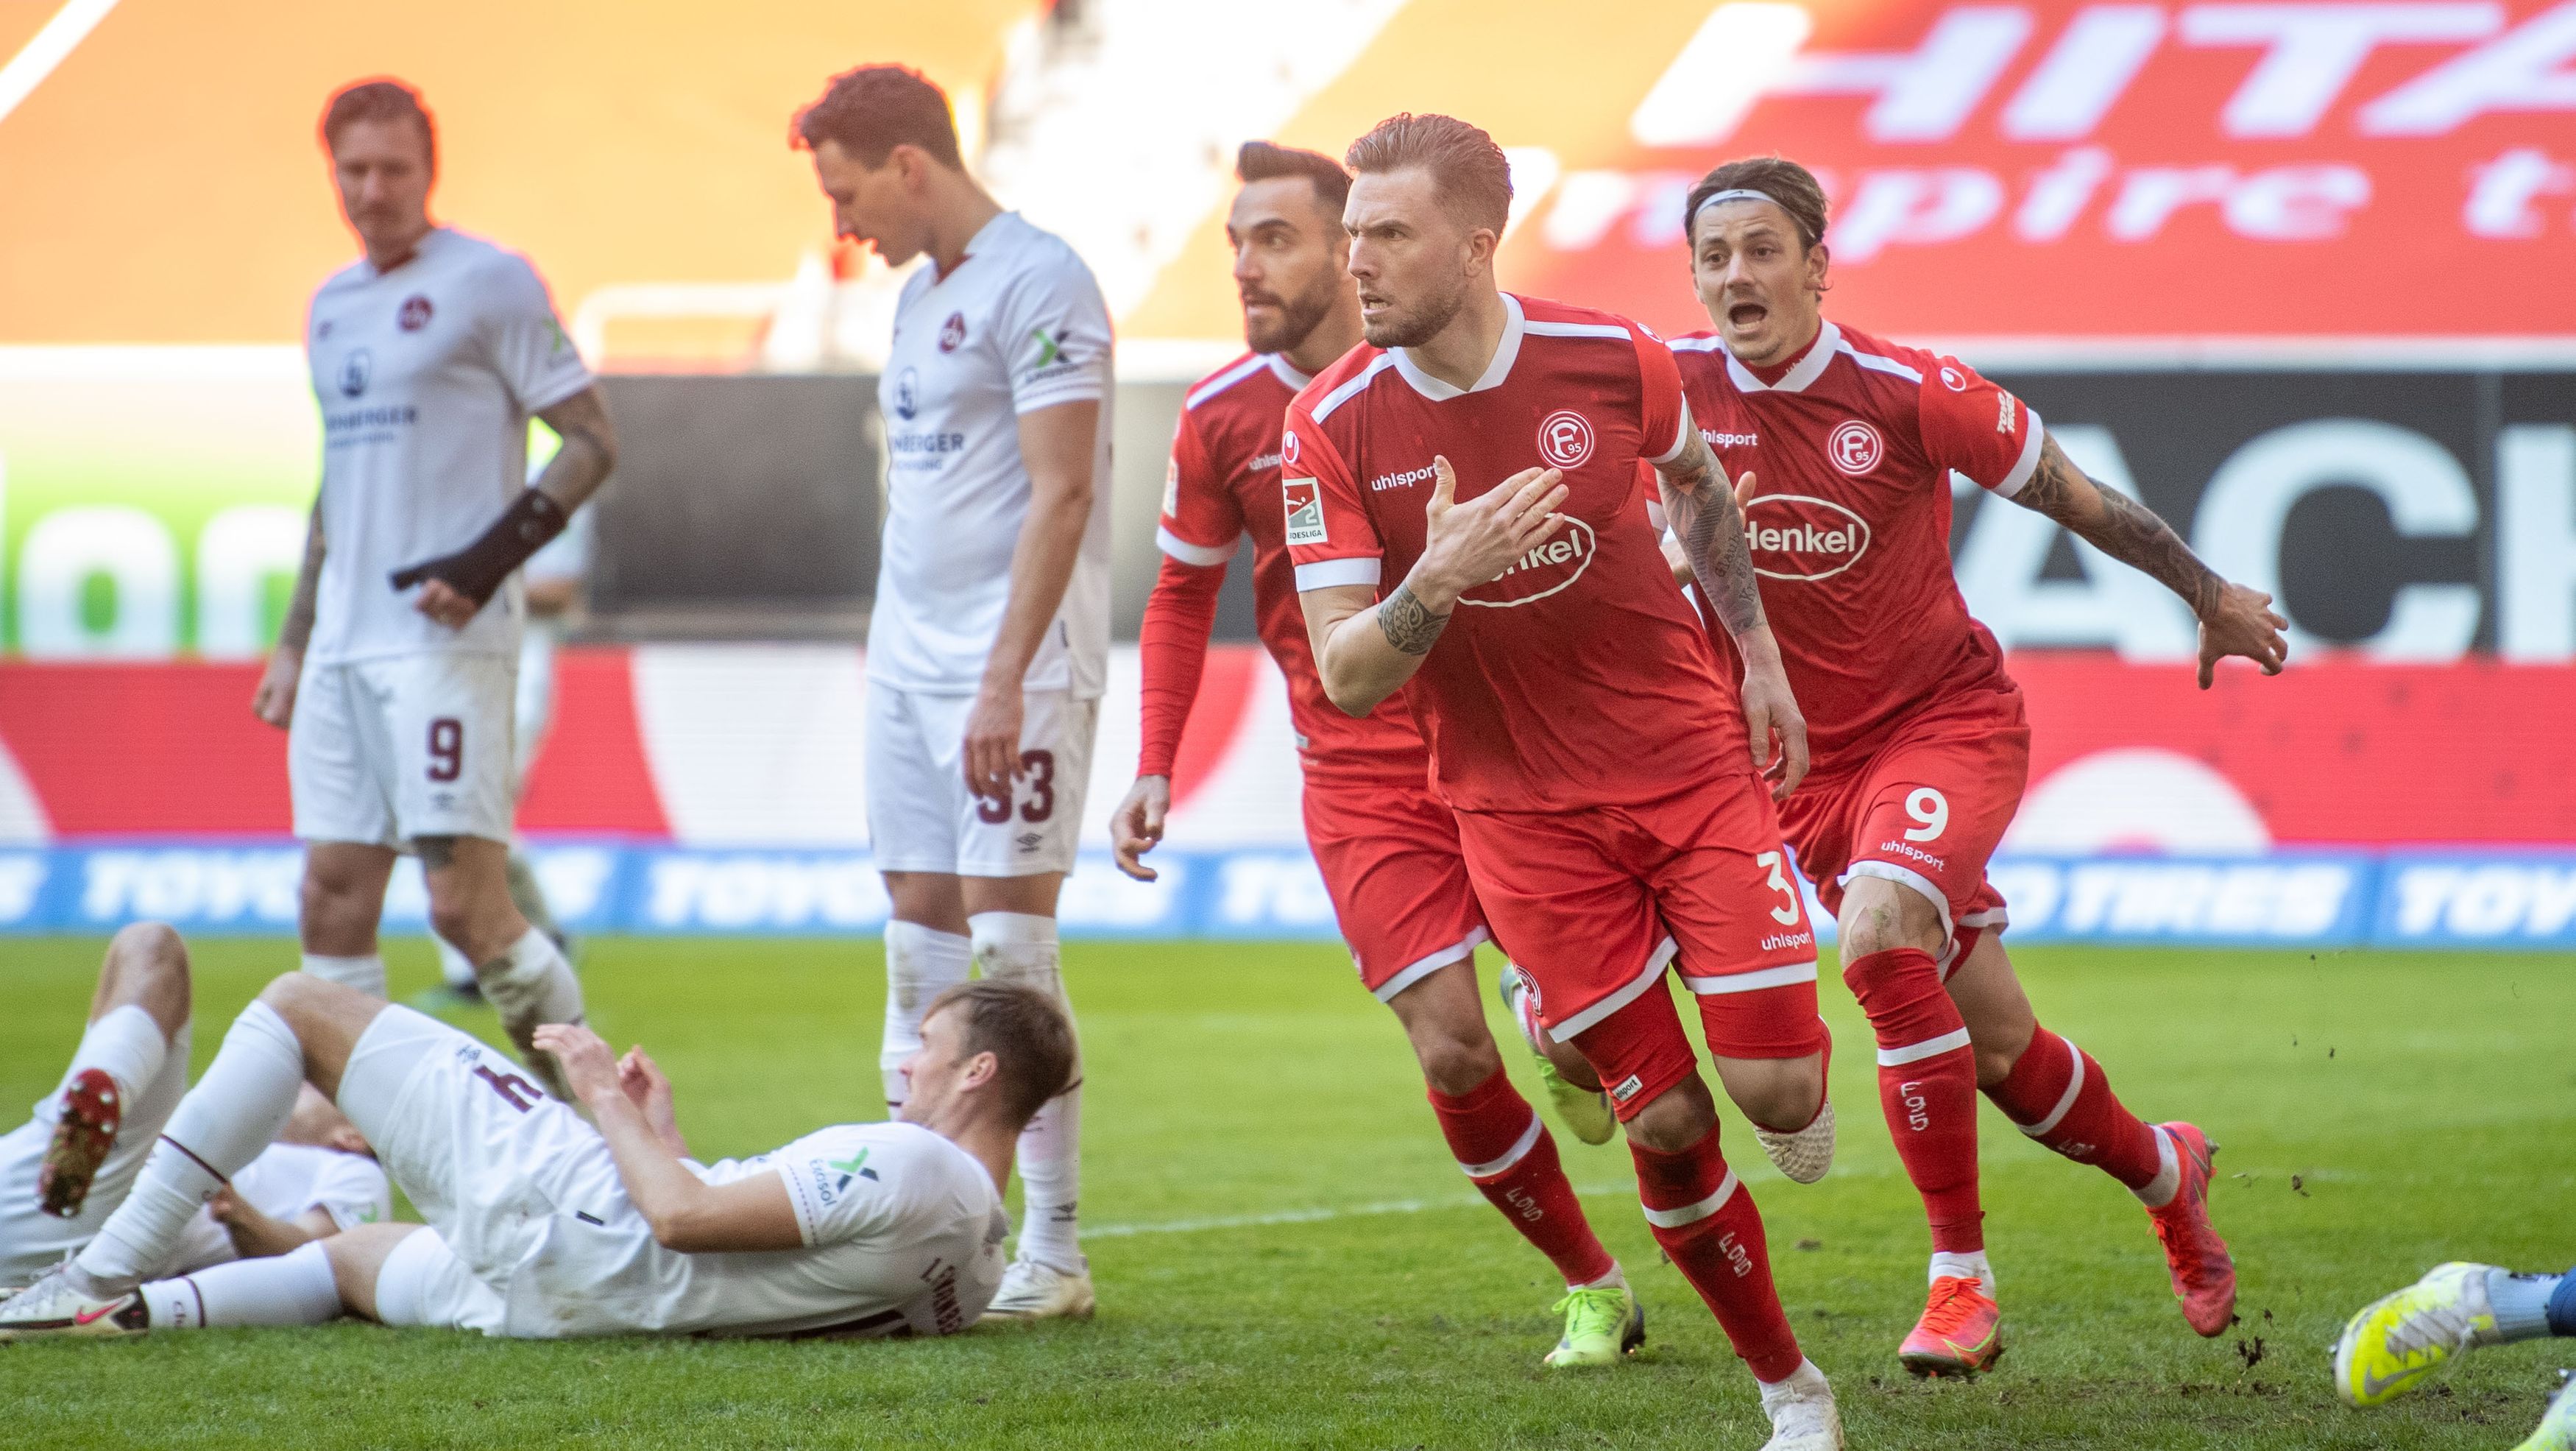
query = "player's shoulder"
x=483 y=267
x=1245 y=368
x=1873 y=354
x=1349 y=377
x=1031 y=253
x=1701 y=356
x=1548 y=318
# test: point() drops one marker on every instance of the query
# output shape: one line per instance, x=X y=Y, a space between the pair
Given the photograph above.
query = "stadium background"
x=2298 y=274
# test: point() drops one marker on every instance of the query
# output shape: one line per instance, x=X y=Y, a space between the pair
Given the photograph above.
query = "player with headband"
x=1841 y=447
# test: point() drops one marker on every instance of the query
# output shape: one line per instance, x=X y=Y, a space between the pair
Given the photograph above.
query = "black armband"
x=477 y=570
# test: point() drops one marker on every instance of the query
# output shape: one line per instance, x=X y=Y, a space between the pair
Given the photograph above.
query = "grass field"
x=1287 y=1258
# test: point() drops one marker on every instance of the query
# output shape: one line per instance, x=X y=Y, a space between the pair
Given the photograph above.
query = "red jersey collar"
x=1808 y=367
x=1496 y=370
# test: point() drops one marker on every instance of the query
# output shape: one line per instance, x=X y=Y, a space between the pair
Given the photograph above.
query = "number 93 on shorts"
x=387 y=750
x=921 y=817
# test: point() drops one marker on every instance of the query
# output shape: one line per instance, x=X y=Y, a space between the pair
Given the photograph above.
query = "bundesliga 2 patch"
x=1305 y=504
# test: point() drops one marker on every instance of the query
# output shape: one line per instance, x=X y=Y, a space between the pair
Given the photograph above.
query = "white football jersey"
x=903 y=1233
x=1017 y=326
x=426 y=376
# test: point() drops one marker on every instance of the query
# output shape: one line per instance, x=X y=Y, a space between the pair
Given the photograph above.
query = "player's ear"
x=1820 y=261
x=981 y=1069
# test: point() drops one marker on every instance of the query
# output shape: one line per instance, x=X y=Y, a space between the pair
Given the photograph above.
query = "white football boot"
x=1031 y=1291
x=51 y=1306
x=1801 y=1408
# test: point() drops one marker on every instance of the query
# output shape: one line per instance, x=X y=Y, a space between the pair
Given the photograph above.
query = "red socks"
x=1498 y=1140
x=1706 y=1222
x=1927 y=1084
x=2057 y=1094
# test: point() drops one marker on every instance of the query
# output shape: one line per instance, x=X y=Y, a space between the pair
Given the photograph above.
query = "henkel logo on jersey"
x=1855 y=447
x=1799 y=537
x=1542 y=572
x=1564 y=438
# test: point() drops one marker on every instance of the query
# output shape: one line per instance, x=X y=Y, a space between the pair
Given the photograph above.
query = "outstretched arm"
x=686 y=1212
x=1366 y=649
x=2234 y=620
x=1709 y=526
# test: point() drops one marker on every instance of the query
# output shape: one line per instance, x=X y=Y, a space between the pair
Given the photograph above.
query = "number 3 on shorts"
x=1931 y=809
x=1786 y=914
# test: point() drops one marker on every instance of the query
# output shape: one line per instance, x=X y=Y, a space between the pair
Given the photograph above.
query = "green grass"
x=2422 y=1102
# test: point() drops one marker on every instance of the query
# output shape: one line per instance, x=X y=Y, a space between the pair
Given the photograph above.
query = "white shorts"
x=921 y=817
x=387 y=751
x=484 y=1154
x=32 y=1241
x=423 y=1283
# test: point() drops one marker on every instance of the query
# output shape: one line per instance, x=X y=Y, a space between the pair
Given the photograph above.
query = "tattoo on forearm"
x=1710 y=527
x=2125 y=529
x=589 y=449
x=1407 y=624
x=297 y=628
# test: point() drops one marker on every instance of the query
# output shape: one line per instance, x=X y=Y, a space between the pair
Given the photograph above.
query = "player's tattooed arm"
x=273 y=699
x=2234 y=620
x=1408 y=624
x=1709 y=526
x=1707 y=521
x=589 y=449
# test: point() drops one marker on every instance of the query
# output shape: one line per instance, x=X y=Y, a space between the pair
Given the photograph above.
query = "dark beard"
x=1414 y=328
x=1297 y=322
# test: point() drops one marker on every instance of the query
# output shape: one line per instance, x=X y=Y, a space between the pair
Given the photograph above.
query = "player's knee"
x=149 y=945
x=1675 y=1119
x=1456 y=1062
x=454 y=921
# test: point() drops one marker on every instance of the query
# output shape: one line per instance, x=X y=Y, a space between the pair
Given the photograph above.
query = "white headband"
x=1739 y=194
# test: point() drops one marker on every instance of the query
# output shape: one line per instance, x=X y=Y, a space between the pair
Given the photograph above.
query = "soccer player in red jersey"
x=1388 y=850
x=1464 y=504
x=1842 y=446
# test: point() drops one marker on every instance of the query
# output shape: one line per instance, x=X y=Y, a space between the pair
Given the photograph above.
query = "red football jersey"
x=1224 y=482
x=1579 y=676
x=1851 y=452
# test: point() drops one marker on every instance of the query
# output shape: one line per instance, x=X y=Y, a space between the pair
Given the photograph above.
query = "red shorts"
x=1597 y=905
x=1390 y=858
x=1925 y=808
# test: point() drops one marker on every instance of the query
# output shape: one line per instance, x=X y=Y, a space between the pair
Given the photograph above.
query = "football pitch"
x=1286 y=1256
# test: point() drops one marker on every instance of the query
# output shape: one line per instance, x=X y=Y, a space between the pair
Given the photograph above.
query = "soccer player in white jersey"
x=989 y=646
x=67 y=1168
x=543 y=1226
x=393 y=671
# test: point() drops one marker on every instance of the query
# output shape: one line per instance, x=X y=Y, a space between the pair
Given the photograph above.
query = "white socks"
x=531 y=984
x=1021 y=947
x=2159 y=1191
x=127 y=1042
x=295 y=1288
x=233 y=1112
x=1950 y=1265
x=366 y=974
x=921 y=963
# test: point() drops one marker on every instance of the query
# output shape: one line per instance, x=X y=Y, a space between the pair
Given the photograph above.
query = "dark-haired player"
x=1843 y=446
x=1388 y=850
x=395 y=670
x=544 y=1226
x=1464 y=503
x=988 y=648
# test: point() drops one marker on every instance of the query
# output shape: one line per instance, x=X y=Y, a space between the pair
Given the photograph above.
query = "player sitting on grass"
x=65 y=1170
x=541 y=1225
x=2398 y=1342
x=1842 y=448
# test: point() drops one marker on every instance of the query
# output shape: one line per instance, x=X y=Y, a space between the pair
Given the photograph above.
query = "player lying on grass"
x=1465 y=507
x=541 y=1225
x=64 y=1171
x=1842 y=447
x=1387 y=848
x=2399 y=1341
